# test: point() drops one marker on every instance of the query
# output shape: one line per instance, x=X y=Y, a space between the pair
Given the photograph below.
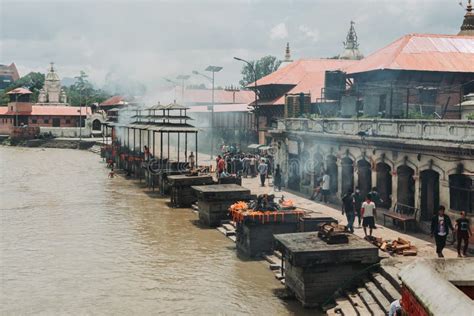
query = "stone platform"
x=314 y=270
x=182 y=194
x=214 y=201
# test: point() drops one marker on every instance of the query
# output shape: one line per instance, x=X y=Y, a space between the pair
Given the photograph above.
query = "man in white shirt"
x=368 y=215
x=326 y=187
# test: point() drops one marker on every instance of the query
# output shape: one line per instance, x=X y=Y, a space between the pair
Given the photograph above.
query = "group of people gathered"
x=355 y=205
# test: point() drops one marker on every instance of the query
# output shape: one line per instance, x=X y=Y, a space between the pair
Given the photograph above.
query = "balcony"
x=458 y=131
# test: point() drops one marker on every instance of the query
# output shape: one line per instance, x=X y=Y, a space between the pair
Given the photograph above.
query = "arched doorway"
x=318 y=168
x=96 y=125
x=364 y=173
x=384 y=183
x=306 y=168
x=406 y=188
x=347 y=169
x=293 y=172
x=429 y=193
x=461 y=192
x=331 y=169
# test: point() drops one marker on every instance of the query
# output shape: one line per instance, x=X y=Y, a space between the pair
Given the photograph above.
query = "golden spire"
x=467 y=27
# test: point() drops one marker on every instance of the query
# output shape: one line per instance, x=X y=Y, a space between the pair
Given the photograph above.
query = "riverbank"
x=59 y=142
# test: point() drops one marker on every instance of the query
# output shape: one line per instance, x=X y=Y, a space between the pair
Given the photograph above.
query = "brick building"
x=21 y=112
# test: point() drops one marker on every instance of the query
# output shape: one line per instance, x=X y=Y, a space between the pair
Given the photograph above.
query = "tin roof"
x=204 y=96
x=421 y=52
x=19 y=91
x=305 y=75
x=115 y=100
x=44 y=110
x=221 y=108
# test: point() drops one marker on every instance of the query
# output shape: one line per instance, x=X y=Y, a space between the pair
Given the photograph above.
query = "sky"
x=147 y=40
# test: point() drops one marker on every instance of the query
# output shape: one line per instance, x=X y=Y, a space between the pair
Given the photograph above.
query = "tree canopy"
x=263 y=67
x=33 y=81
x=83 y=92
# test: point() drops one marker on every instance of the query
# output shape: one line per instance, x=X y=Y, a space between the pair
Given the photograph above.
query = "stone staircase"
x=95 y=149
x=372 y=296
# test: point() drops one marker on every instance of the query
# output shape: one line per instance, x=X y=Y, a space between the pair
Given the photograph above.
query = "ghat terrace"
x=415 y=164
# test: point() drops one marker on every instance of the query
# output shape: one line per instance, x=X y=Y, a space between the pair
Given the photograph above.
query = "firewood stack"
x=333 y=234
x=400 y=246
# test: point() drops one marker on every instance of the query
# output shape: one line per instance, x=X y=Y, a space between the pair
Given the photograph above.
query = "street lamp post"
x=256 y=110
x=183 y=78
x=213 y=69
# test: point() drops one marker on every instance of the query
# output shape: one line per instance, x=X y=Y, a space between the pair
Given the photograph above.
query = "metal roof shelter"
x=163 y=119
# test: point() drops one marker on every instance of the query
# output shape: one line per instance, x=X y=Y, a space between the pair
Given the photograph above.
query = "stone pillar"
x=444 y=193
x=394 y=187
x=339 y=179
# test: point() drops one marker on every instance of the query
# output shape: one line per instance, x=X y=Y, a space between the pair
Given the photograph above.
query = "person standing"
x=262 y=171
x=357 y=200
x=192 y=160
x=368 y=215
x=463 y=229
x=252 y=165
x=376 y=197
x=326 y=187
x=220 y=166
x=440 y=225
x=277 y=178
x=348 y=209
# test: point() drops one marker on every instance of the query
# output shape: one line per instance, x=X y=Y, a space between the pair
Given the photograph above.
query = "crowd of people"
x=244 y=165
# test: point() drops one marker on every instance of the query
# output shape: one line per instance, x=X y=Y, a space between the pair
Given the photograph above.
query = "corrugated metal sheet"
x=45 y=110
x=422 y=52
x=306 y=75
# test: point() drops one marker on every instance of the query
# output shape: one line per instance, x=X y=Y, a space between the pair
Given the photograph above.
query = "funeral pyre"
x=264 y=209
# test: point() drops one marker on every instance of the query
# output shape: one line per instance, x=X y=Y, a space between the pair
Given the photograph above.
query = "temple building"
x=467 y=27
x=52 y=94
x=351 y=45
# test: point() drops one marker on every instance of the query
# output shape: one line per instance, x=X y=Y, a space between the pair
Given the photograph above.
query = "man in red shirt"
x=220 y=165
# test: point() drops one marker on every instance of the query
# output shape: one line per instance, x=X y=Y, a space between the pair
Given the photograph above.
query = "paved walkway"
x=425 y=246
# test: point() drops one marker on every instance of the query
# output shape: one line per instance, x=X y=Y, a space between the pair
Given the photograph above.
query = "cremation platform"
x=214 y=201
x=254 y=233
x=312 y=223
x=182 y=194
x=314 y=270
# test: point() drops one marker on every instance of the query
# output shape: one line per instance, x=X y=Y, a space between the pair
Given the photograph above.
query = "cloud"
x=147 y=40
x=279 y=31
x=311 y=34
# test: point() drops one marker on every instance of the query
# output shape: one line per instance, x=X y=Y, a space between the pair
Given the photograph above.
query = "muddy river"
x=73 y=241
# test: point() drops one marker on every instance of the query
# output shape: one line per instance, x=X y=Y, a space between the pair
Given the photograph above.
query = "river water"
x=75 y=242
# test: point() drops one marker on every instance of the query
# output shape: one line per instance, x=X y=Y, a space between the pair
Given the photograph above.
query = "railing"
x=460 y=131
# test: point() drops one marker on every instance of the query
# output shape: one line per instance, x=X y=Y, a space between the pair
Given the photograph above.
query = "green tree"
x=263 y=67
x=83 y=92
x=33 y=81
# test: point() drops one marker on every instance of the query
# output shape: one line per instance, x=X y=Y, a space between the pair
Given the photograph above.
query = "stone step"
x=391 y=274
x=369 y=301
x=358 y=304
x=229 y=227
x=379 y=297
x=345 y=307
x=233 y=238
x=272 y=259
x=385 y=286
x=277 y=254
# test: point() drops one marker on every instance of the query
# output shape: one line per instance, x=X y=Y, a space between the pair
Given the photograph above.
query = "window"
x=56 y=122
x=46 y=121
x=34 y=121
x=461 y=192
x=68 y=121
